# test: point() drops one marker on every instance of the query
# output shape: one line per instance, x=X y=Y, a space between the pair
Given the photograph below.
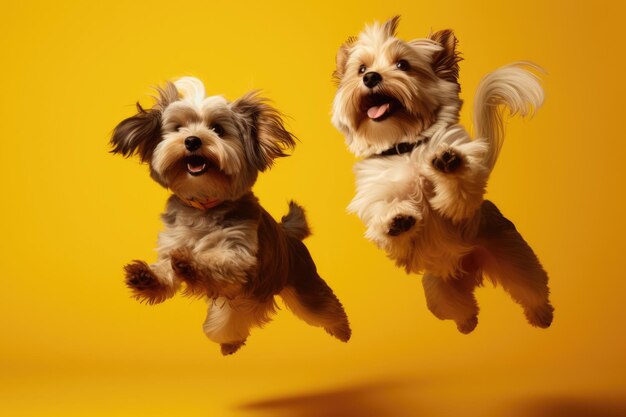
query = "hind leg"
x=229 y=322
x=312 y=300
x=510 y=261
x=516 y=267
x=453 y=299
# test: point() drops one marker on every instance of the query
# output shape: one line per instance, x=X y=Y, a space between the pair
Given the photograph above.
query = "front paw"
x=184 y=268
x=182 y=264
x=400 y=224
x=447 y=162
x=144 y=284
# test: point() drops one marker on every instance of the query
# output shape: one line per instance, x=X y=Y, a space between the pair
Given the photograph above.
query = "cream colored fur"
x=455 y=236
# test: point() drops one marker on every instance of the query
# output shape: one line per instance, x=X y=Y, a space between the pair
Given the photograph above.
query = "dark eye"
x=362 y=69
x=177 y=127
x=218 y=129
x=402 y=65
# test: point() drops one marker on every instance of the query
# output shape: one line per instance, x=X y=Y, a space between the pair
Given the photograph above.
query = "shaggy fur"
x=218 y=241
x=420 y=187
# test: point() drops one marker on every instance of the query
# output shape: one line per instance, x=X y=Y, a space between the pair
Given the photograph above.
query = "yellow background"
x=74 y=343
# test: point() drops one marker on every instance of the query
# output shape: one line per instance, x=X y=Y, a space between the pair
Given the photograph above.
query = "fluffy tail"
x=294 y=223
x=515 y=87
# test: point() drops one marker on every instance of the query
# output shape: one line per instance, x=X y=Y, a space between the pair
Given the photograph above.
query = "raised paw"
x=400 y=224
x=540 y=316
x=185 y=269
x=230 y=348
x=467 y=326
x=182 y=264
x=448 y=162
x=145 y=286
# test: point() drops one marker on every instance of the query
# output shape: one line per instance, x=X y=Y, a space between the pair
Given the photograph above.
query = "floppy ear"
x=446 y=62
x=391 y=26
x=138 y=134
x=342 y=59
x=265 y=137
x=142 y=132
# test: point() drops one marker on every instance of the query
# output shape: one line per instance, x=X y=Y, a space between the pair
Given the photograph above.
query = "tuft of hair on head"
x=191 y=89
x=381 y=31
x=445 y=62
x=390 y=27
x=267 y=138
x=139 y=134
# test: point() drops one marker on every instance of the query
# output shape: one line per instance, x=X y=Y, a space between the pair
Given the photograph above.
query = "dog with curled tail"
x=218 y=241
x=421 y=181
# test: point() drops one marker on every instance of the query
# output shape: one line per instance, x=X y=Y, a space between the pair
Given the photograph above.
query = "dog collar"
x=446 y=115
x=403 y=147
x=201 y=204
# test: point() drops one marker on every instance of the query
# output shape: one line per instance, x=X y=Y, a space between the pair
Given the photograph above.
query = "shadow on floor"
x=572 y=407
x=377 y=399
x=429 y=397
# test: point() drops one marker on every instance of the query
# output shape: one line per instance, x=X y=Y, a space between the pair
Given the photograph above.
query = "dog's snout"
x=371 y=79
x=192 y=143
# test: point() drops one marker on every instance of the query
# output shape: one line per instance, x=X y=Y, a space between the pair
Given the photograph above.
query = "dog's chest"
x=200 y=231
x=396 y=185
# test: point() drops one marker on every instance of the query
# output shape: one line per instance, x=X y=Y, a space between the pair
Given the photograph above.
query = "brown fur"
x=218 y=241
x=502 y=255
x=390 y=27
x=510 y=261
x=267 y=127
x=145 y=285
x=230 y=348
x=141 y=132
x=282 y=261
x=312 y=299
x=342 y=59
x=295 y=223
x=446 y=63
x=138 y=133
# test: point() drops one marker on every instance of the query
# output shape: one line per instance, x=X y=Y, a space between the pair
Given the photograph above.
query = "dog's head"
x=390 y=90
x=204 y=148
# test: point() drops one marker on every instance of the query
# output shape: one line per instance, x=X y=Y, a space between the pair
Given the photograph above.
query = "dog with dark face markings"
x=422 y=179
x=218 y=240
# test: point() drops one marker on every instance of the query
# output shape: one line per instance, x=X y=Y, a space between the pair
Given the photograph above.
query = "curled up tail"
x=513 y=86
x=294 y=222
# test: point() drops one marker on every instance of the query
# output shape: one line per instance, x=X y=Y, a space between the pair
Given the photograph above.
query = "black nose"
x=371 y=79
x=192 y=143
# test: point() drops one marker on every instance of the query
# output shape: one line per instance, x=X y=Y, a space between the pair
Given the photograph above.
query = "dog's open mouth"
x=197 y=165
x=379 y=106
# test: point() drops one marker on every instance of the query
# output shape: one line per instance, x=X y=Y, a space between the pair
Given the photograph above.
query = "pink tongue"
x=195 y=168
x=376 y=111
